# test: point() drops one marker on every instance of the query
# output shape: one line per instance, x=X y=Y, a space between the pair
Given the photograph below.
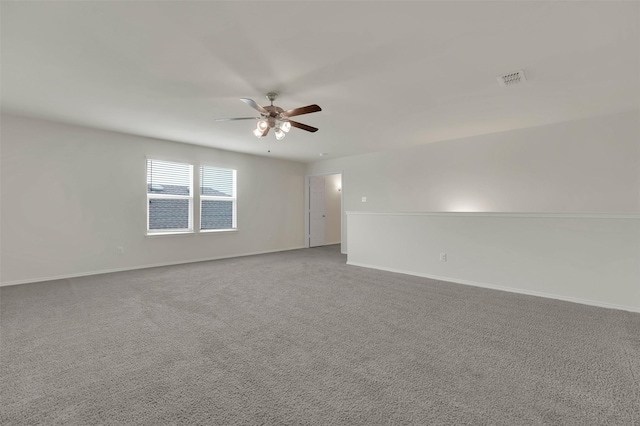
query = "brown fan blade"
x=265 y=132
x=302 y=110
x=238 y=118
x=302 y=126
x=255 y=106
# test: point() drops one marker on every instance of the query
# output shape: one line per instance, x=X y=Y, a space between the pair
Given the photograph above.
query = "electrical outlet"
x=364 y=199
x=443 y=257
x=120 y=250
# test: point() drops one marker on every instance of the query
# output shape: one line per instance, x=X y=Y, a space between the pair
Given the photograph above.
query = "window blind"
x=169 y=196
x=217 y=182
x=217 y=198
x=169 y=178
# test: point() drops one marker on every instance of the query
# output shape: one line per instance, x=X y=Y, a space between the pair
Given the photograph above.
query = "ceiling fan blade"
x=265 y=132
x=238 y=118
x=302 y=126
x=255 y=106
x=302 y=110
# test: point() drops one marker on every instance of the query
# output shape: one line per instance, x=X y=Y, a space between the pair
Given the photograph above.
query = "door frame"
x=306 y=205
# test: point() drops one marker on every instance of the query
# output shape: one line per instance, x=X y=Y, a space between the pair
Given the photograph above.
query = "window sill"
x=202 y=231
x=217 y=231
x=168 y=234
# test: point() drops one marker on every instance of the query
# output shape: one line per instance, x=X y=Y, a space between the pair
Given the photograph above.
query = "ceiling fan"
x=274 y=117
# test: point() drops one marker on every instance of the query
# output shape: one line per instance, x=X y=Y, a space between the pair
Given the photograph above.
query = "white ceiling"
x=386 y=74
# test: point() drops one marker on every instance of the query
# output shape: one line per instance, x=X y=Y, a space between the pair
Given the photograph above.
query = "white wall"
x=593 y=259
x=581 y=166
x=71 y=195
x=332 y=207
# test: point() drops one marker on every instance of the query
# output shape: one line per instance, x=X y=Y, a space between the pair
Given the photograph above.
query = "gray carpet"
x=301 y=338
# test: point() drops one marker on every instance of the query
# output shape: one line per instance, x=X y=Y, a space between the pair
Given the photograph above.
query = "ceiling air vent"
x=512 y=78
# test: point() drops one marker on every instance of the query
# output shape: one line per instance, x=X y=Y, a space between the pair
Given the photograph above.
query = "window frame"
x=189 y=198
x=233 y=199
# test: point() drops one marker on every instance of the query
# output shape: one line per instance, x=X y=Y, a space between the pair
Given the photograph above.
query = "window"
x=217 y=198
x=169 y=197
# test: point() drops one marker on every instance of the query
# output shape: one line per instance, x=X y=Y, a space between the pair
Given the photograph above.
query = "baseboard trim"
x=503 y=288
x=132 y=268
x=332 y=243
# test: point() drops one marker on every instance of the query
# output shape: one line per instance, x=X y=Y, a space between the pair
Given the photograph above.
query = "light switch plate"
x=364 y=199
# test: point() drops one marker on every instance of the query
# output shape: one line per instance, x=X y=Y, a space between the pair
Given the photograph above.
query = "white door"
x=316 y=211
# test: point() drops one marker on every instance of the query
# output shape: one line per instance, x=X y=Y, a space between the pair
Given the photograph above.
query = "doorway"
x=323 y=209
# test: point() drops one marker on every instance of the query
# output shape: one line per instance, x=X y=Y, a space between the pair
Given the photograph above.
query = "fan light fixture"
x=281 y=128
x=274 y=117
